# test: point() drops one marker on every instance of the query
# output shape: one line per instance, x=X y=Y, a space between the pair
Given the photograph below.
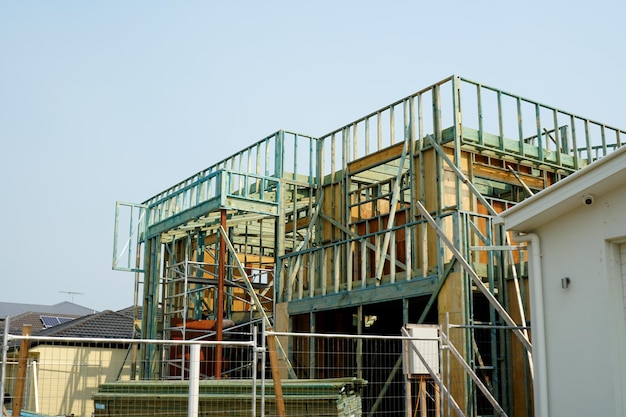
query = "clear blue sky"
x=117 y=100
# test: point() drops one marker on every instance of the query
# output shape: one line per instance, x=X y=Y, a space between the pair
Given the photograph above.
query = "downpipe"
x=538 y=322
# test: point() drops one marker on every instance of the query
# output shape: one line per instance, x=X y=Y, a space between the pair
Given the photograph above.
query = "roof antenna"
x=72 y=294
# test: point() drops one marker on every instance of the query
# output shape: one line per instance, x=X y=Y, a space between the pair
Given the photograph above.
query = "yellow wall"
x=68 y=376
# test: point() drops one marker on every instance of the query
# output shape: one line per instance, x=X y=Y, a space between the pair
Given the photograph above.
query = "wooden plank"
x=278 y=388
x=432 y=204
x=450 y=306
x=374 y=159
x=422 y=396
x=300 y=223
x=499 y=174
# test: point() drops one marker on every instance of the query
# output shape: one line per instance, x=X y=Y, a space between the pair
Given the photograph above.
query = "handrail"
x=487 y=110
x=219 y=184
x=265 y=157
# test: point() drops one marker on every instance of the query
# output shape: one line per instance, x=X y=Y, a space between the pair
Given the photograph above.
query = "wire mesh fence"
x=385 y=381
x=126 y=377
x=281 y=374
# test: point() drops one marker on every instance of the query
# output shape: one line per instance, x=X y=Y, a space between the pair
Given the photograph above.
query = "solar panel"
x=51 y=321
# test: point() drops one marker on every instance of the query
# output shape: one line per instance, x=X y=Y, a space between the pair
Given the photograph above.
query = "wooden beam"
x=278 y=388
x=375 y=159
x=300 y=223
x=500 y=174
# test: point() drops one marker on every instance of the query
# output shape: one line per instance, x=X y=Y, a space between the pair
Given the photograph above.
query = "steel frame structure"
x=395 y=206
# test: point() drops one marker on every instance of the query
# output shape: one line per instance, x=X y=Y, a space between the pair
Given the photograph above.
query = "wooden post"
x=437 y=400
x=21 y=372
x=408 y=397
x=278 y=388
x=422 y=394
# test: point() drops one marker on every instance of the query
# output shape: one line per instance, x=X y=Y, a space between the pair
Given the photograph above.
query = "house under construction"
x=385 y=221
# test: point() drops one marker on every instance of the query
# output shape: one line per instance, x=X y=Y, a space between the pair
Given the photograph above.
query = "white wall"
x=585 y=325
x=622 y=262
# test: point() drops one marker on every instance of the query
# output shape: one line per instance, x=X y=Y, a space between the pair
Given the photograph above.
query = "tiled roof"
x=106 y=324
x=130 y=312
x=34 y=319
x=63 y=308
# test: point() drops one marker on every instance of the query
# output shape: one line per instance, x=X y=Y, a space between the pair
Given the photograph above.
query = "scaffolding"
x=388 y=218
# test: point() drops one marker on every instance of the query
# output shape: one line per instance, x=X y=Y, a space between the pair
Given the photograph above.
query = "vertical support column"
x=437 y=130
x=410 y=232
x=194 y=380
x=408 y=395
x=221 y=273
x=359 y=343
x=439 y=197
x=262 y=352
x=147 y=317
x=458 y=134
x=281 y=280
x=228 y=305
x=312 y=346
x=279 y=153
x=345 y=209
x=150 y=304
x=255 y=367
x=197 y=295
x=540 y=142
x=138 y=276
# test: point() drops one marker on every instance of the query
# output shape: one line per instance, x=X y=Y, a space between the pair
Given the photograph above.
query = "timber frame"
x=394 y=210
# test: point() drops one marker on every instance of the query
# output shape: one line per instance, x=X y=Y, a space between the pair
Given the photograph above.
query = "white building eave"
x=594 y=180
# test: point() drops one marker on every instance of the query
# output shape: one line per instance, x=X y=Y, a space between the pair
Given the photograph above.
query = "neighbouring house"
x=8 y=309
x=62 y=376
x=576 y=231
x=39 y=316
x=38 y=321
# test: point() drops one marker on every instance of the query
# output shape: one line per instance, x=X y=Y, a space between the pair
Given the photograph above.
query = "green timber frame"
x=185 y=264
x=392 y=211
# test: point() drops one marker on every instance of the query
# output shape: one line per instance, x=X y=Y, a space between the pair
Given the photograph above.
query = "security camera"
x=588 y=200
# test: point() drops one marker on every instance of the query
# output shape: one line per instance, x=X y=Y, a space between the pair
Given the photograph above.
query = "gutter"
x=538 y=323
